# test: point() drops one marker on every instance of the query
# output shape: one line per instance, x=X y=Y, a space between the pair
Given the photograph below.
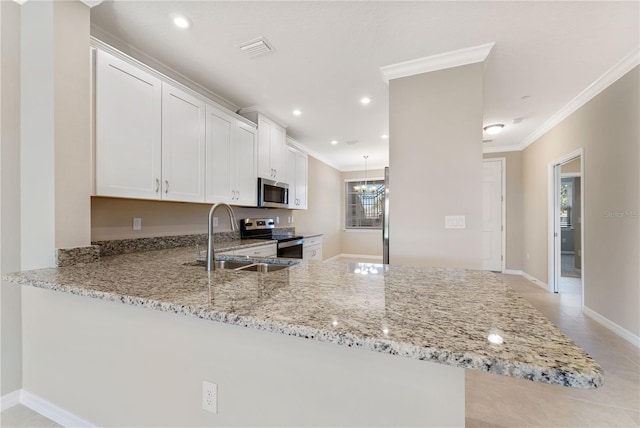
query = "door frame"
x=553 y=209
x=503 y=206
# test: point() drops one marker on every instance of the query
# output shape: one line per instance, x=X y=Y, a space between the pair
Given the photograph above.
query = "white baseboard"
x=535 y=280
x=9 y=400
x=617 y=329
x=512 y=272
x=355 y=256
x=45 y=408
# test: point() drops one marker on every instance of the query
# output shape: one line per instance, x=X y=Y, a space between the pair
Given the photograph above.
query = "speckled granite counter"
x=432 y=314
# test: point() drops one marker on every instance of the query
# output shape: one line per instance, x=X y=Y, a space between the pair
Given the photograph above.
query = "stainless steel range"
x=289 y=244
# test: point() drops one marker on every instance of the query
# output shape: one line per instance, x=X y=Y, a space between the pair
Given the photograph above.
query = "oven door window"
x=290 y=250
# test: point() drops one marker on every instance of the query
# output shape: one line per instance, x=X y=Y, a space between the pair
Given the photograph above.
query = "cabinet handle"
x=157 y=185
x=166 y=186
x=237 y=195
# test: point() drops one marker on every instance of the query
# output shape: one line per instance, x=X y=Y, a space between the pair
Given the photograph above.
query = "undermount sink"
x=230 y=264
x=264 y=267
x=241 y=266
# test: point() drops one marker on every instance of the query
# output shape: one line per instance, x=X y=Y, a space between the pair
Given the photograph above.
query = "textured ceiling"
x=328 y=55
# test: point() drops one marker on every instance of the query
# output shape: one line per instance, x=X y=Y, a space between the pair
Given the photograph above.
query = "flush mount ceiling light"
x=365 y=100
x=334 y=142
x=494 y=129
x=297 y=112
x=181 y=21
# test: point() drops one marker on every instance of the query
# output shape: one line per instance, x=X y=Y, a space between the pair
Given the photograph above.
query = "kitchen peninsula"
x=327 y=343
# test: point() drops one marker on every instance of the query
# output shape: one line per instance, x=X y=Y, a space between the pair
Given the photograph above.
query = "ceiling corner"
x=91 y=3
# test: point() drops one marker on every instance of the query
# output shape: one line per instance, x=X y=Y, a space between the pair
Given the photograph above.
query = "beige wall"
x=323 y=214
x=513 y=199
x=112 y=218
x=360 y=242
x=607 y=128
x=10 y=294
x=71 y=125
x=435 y=167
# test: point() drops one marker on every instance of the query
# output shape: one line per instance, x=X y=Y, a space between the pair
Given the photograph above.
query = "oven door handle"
x=290 y=243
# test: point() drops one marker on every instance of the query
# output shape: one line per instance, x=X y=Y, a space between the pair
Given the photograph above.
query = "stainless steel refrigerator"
x=385 y=219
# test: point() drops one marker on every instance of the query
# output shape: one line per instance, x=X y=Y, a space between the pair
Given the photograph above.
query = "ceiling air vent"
x=256 y=47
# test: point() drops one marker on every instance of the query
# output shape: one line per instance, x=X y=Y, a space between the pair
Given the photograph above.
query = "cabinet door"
x=220 y=135
x=301 y=181
x=246 y=163
x=278 y=153
x=265 y=131
x=183 y=146
x=291 y=176
x=128 y=130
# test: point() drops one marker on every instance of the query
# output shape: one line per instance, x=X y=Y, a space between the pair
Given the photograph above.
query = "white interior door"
x=492 y=215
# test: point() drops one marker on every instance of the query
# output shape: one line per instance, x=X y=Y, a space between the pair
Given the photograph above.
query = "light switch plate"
x=137 y=223
x=454 y=222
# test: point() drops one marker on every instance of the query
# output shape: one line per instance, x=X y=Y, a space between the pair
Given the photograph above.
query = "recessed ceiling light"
x=297 y=112
x=365 y=100
x=494 y=129
x=384 y=136
x=181 y=21
x=334 y=142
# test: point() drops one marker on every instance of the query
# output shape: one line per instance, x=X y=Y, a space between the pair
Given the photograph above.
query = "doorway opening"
x=566 y=191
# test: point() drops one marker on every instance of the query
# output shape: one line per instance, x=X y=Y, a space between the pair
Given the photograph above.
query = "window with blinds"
x=364 y=204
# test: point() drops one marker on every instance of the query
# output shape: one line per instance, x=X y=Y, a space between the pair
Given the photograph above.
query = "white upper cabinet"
x=128 y=130
x=246 y=165
x=157 y=140
x=220 y=133
x=183 y=146
x=272 y=146
x=231 y=159
x=297 y=163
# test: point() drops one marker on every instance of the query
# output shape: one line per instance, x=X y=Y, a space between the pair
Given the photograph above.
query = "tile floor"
x=499 y=401
x=21 y=416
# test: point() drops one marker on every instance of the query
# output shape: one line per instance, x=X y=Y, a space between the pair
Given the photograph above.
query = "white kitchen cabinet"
x=246 y=165
x=150 y=135
x=183 y=146
x=297 y=162
x=312 y=248
x=128 y=130
x=268 y=250
x=272 y=145
x=231 y=174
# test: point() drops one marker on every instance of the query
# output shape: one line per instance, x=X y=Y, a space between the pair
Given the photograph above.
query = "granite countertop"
x=432 y=314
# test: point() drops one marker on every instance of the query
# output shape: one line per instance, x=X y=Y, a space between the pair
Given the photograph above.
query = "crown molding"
x=623 y=66
x=91 y=3
x=436 y=62
x=297 y=145
x=504 y=148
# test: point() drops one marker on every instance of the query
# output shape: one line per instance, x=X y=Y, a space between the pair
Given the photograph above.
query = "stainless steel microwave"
x=272 y=194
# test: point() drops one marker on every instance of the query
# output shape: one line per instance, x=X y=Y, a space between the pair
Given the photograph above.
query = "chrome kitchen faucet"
x=232 y=218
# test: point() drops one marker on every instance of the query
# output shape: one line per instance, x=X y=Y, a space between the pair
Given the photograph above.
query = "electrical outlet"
x=209 y=397
x=215 y=222
x=292 y=220
x=137 y=223
x=277 y=220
